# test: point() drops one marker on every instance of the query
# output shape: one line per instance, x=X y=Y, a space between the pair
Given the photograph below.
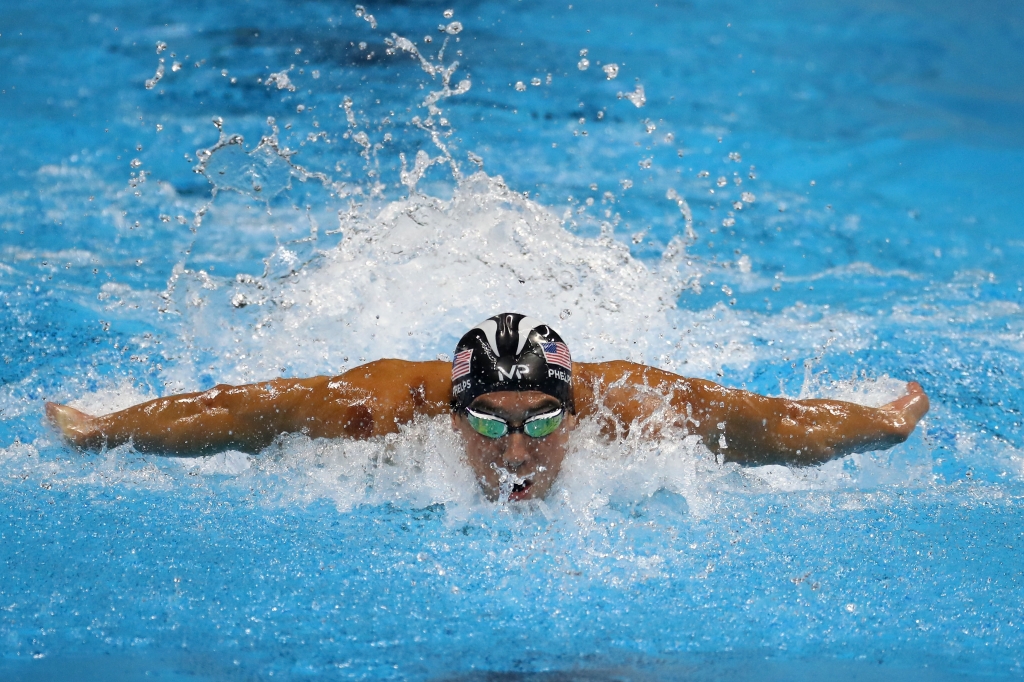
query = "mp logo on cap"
x=515 y=372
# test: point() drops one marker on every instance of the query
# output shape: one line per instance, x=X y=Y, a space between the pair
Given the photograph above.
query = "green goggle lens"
x=543 y=425
x=495 y=427
x=492 y=427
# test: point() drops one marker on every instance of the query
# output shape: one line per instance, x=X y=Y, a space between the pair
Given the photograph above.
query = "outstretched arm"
x=369 y=400
x=748 y=428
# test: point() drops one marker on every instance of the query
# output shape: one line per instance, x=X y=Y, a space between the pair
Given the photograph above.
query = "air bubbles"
x=584 y=63
x=535 y=81
x=449 y=13
x=649 y=126
x=735 y=156
x=160 y=46
x=565 y=314
x=300 y=108
x=748 y=197
x=703 y=174
x=728 y=222
x=610 y=70
x=520 y=86
x=138 y=147
x=721 y=182
x=451 y=29
x=644 y=163
x=135 y=163
x=176 y=66
x=159 y=127
x=626 y=183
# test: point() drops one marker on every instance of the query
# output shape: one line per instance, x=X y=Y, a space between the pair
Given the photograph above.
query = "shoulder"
x=622 y=386
x=390 y=380
x=625 y=373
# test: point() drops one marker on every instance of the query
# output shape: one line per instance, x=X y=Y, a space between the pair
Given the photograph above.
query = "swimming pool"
x=801 y=199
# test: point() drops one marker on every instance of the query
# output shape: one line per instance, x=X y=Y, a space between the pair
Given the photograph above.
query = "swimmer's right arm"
x=369 y=400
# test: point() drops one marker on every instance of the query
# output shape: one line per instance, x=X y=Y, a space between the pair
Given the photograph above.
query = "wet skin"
x=537 y=460
x=377 y=398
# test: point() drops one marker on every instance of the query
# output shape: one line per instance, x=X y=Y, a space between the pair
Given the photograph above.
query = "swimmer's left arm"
x=745 y=427
x=753 y=429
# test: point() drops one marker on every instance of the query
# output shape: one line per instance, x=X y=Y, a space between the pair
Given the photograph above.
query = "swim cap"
x=511 y=352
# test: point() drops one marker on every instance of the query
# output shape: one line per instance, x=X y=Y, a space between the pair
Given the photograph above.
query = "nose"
x=516 y=451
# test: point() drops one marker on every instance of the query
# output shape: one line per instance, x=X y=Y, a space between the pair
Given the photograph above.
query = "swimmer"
x=514 y=396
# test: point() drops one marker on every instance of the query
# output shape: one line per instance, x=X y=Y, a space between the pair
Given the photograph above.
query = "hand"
x=908 y=410
x=76 y=426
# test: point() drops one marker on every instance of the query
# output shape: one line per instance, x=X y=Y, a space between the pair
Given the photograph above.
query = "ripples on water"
x=355 y=215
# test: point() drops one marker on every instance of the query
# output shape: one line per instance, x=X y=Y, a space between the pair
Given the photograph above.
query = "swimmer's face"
x=538 y=460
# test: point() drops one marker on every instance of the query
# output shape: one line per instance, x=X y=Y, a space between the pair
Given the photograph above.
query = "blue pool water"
x=808 y=199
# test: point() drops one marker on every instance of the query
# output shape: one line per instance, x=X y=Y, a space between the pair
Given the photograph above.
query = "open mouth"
x=519 y=490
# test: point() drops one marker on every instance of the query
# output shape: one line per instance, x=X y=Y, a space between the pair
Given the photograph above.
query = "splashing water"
x=329 y=228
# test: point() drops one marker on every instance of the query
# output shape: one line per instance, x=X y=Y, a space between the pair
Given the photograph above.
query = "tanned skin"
x=379 y=397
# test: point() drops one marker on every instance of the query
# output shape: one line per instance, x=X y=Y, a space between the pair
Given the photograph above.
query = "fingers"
x=75 y=425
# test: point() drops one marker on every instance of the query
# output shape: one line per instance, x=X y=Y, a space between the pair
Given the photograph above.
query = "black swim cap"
x=511 y=352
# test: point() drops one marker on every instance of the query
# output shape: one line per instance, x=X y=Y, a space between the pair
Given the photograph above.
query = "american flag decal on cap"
x=557 y=353
x=460 y=366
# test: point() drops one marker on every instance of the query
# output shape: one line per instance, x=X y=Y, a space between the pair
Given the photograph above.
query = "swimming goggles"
x=537 y=426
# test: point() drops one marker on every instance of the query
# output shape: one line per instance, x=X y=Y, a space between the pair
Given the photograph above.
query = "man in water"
x=514 y=396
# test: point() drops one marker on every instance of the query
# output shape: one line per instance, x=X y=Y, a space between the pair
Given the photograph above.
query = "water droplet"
x=748 y=197
x=610 y=70
x=637 y=97
x=735 y=156
x=721 y=182
x=135 y=163
x=703 y=174
x=535 y=82
x=728 y=222
x=453 y=28
x=520 y=86
x=626 y=184
x=316 y=73
x=160 y=46
x=176 y=66
x=644 y=163
x=564 y=314
x=583 y=64
x=159 y=127
x=300 y=108
x=649 y=126
x=449 y=13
